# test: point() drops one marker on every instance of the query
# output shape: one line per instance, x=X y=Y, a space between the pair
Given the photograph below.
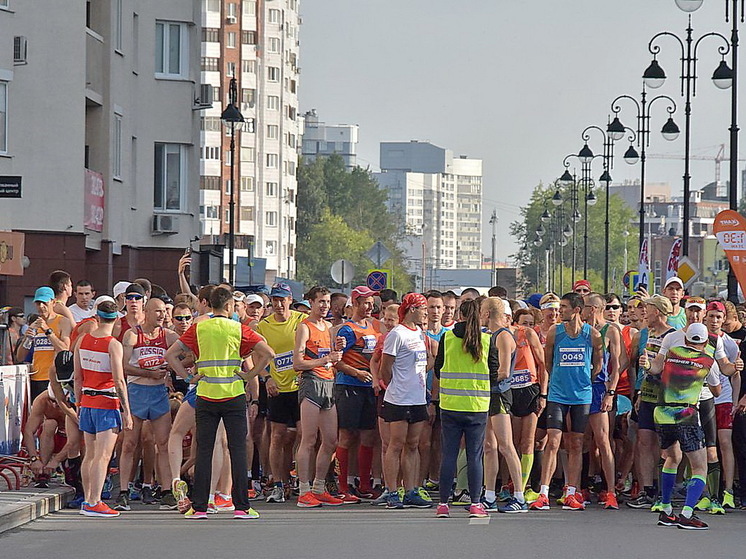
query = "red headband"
x=411 y=300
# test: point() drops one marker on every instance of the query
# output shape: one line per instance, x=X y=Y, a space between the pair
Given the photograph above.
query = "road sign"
x=378 y=253
x=632 y=281
x=343 y=271
x=688 y=271
x=377 y=279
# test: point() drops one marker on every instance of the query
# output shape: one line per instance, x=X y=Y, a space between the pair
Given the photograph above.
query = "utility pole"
x=493 y=222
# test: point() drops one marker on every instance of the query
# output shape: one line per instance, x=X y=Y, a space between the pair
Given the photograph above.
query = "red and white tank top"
x=148 y=353
x=317 y=346
x=98 y=383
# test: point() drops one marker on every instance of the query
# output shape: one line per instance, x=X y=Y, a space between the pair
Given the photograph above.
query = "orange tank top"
x=624 y=386
x=524 y=368
x=318 y=345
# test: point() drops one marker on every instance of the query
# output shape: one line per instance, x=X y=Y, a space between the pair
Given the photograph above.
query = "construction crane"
x=718 y=159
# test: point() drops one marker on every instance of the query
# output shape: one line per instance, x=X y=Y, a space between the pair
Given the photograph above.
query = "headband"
x=550 y=305
x=107 y=315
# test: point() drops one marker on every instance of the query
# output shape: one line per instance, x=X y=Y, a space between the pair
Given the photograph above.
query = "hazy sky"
x=509 y=81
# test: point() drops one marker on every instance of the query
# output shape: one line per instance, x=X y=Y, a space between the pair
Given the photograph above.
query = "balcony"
x=94 y=66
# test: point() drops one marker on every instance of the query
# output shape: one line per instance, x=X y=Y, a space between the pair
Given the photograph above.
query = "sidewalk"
x=20 y=507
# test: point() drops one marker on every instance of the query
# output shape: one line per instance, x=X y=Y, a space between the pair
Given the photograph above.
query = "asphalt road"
x=362 y=531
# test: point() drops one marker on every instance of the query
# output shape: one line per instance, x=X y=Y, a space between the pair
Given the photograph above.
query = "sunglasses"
x=281 y=285
x=613 y=307
x=133 y=297
x=16 y=316
x=182 y=318
x=582 y=290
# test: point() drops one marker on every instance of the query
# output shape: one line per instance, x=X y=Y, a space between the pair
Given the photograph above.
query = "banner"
x=643 y=269
x=730 y=230
x=672 y=267
x=93 y=200
x=13 y=393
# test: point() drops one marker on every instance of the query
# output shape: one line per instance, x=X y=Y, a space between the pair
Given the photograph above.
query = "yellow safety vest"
x=219 y=342
x=464 y=385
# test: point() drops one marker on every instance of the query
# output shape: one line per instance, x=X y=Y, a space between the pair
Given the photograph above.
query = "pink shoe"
x=477 y=510
x=442 y=511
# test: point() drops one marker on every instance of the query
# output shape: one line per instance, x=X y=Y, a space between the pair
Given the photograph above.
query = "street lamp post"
x=654 y=76
x=232 y=117
x=493 y=222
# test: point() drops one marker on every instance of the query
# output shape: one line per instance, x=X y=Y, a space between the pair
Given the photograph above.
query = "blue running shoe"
x=489 y=506
x=413 y=499
x=106 y=489
x=134 y=492
x=76 y=502
x=514 y=506
x=393 y=501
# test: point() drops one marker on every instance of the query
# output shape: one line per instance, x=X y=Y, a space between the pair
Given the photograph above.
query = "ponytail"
x=472 y=342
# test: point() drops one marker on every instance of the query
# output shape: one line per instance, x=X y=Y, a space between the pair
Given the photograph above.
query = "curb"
x=21 y=507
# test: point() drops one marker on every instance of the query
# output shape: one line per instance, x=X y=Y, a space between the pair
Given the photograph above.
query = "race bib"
x=284 y=361
x=369 y=343
x=420 y=366
x=150 y=357
x=572 y=356
x=521 y=379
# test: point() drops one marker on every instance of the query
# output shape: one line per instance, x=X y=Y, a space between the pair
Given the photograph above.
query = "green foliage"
x=531 y=258
x=340 y=215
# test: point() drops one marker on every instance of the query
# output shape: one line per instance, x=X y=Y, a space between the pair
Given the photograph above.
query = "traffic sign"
x=378 y=253
x=687 y=271
x=377 y=279
x=342 y=271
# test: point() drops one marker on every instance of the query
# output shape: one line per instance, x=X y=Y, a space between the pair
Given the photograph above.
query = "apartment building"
x=322 y=140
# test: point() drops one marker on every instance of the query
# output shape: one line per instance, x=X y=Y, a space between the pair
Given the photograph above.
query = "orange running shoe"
x=573 y=502
x=611 y=501
x=253 y=496
x=327 y=498
x=542 y=503
x=349 y=498
x=602 y=496
x=222 y=503
x=308 y=501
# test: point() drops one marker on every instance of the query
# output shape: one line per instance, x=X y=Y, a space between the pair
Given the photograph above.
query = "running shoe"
x=716 y=507
x=585 y=494
x=192 y=514
x=327 y=499
x=692 y=523
x=76 y=503
x=364 y=494
x=658 y=506
x=641 y=502
x=476 y=510
x=611 y=502
x=308 y=501
x=530 y=495
x=212 y=508
x=122 y=502
x=542 y=503
x=665 y=519
x=331 y=487
x=514 y=506
x=253 y=495
x=442 y=511
x=431 y=485
x=179 y=488
x=490 y=506
x=461 y=498
x=382 y=500
x=168 y=501
x=413 y=499
x=224 y=504
x=41 y=481
x=375 y=492
x=422 y=492
x=106 y=489
x=134 y=492
x=146 y=496
x=729 y=501
x=401 y=493
x=393 y=501
x=100 y=510
x=350 y=499
x=602 y=497
x=561 y=500
x=703 y=505
x=277 y=495
x=573 y=502
x=505 y=494
x=249 y=514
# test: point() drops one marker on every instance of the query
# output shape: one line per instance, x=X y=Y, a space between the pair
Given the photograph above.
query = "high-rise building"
x=439 y=199
x=255 y=41
x=99 y=138
x=322 y=140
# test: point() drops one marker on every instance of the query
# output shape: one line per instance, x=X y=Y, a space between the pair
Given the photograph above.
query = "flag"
x=644 y=265
x=672 y=266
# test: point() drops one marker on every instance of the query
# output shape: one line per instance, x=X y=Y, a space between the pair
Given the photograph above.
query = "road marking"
x=477 y=521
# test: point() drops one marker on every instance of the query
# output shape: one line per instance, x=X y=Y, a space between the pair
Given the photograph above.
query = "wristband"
x=34 y=459
x=543 y=396
x=254 y=403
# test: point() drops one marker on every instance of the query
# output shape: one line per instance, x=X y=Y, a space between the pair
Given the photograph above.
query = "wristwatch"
x=254 y=402
x=48 y=332
x=543 y=396
x=611 y=392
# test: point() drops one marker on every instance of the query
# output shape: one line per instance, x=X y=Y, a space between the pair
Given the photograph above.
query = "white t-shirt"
x=731 y=351
x=80 y=314
x=678 y=338
x=409 y=371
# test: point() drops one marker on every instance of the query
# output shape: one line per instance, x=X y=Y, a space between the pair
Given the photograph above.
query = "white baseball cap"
x=103 y=299
x=697 y=333
x=120 y=287
x=253 y=298
x=508 y=308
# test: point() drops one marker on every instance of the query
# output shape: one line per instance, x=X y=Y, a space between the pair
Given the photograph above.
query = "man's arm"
x=184 y=261
x=299 y=362
x=549 y=350
x=598 y=353
x=34 y=421
x=538 y=352
x=262 y=354
x=616 y=349
x=172 y=357
x=61 y=342
x=120 y=384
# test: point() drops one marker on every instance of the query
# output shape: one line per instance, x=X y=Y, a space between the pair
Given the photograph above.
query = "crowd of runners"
x=214 y=399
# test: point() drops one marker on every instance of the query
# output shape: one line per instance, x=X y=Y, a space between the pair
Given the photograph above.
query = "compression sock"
x=713 y=479
x=693 y=493
x=343 y=457
x=668 y=480
x=527 y=463
x=365 y=462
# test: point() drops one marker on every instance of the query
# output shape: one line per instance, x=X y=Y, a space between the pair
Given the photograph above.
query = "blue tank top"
x=570 y=381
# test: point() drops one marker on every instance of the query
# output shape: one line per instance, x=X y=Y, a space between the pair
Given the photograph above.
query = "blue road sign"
x=377 y=280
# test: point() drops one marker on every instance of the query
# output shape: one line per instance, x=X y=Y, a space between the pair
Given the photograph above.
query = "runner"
x=313 y=358
x=337 y=308
x=448 y=319
x=134 y=298
x=582 y=287
x=101 y=390
x=83 y=306
x=674 y=290
x=430 y=439
x=549 y=306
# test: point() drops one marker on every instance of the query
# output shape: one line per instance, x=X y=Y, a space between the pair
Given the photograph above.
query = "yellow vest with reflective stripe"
x=219 y=342
x=464 y=385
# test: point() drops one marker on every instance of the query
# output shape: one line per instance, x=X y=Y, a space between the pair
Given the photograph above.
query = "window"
x=291 y=168
x=273 y=103
x=230 y=68
x=210 y=123
x=270 y=248
x=272 y=160
x=170 y=49
x=271 y=188
x=247 y=154
x=170 y=174
x=249 y=8
x=273 y=73
x=248 y=66
x=270 y=219
x=3 y=117
x=248 y=37
x=247 y=214
x=228 y=157
x=231 y=10
x=216 y=93
x=117 y=25
x=230 y=39
x=210 y=64
x=116 y=170
x=292 y=86
x=210 y=212
x=228 y=186
x=291 y=140
x=247 y=184
x=209 y=183
x=273 y=131
x=273 y=44
x=213 y=6
x=248 y=96
x=274 y=16
x=291 y=112
x=212 y=152
x=210 y=35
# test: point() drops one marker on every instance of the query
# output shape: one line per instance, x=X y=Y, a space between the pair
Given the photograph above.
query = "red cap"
x=581 y=283
x=362 y=291
x=411 y=300
x=716 y=306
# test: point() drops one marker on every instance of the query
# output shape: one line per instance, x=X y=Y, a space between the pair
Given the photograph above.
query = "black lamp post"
x=232 y=117
x=654 y=76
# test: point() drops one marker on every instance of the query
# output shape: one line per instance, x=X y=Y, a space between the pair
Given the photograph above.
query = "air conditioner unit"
x=231 y=19
x=205 y=99
x=20 y=50
x=165 y=224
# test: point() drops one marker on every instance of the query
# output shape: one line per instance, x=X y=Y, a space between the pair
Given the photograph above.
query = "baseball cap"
x=581 y=283
x=253 y=298
x=281 y=289
x=120 y=287
x=303 y=303
x=362 y=291
x=696 y=302
x=663 y=304
x=239 y=296
x=135 y=288
x=697 y=333
x=103 y=299
x=716 y=306
x=508 y=308
x=44 y=294
x=674 y=279
x=63 y=365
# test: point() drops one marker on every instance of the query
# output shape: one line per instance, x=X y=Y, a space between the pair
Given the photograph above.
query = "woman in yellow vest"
x=464 y=388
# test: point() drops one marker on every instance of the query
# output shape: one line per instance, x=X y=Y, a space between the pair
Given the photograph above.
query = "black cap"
x=63 y=364
x=135 y=288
